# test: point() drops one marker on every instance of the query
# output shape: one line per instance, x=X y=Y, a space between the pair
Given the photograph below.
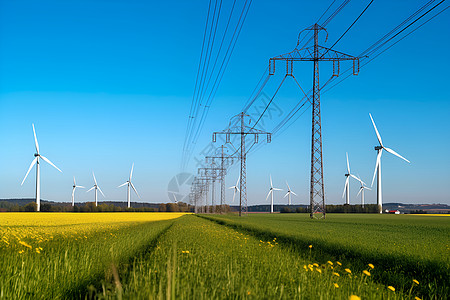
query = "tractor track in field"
x=93 y=287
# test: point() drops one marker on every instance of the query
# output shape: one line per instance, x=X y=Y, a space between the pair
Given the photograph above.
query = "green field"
x=260 y=256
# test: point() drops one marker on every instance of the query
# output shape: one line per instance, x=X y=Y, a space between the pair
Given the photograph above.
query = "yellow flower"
x=21 y=251
x=415 y=281
x=366 y=272
x=348 y=271
x=336 y=285
x=339 y=263
x=371 y=266
x=330 y=263
x=417 y=298
x=316 y=265
x=354 y=297
x=336 y=274
x=38 y=251
x=248 y=293
x=391 y=288
x=319 y=270
x=310 y=246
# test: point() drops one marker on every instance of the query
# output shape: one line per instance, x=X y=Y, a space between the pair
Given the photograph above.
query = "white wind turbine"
x=378 y=165
x=347 y=183
x=235 y=188
x=129 y=183
x=96 y=187
x=73 y=190
x=37 y=156
x=361 y=191
x=271 y=194
x=289 y=192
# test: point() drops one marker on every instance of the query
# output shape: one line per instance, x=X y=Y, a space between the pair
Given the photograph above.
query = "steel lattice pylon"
x=315 y=53
x=240 y=128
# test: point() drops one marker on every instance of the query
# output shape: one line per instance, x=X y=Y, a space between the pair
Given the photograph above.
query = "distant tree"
x=30 y=207
x=46 y=207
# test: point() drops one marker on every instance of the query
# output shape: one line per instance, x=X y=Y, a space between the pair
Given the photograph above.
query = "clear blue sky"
x=109 y=83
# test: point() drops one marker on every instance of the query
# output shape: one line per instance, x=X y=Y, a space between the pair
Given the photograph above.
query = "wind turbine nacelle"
x=36 y=155
x=346 y=175
x=378 y=148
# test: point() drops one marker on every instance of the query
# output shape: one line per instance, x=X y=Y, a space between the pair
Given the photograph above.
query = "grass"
x=402 y=248
x=200 y=259
x=55 y=256
x=263 y=256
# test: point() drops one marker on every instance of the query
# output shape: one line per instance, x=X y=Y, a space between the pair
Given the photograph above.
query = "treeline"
x=90 y=207
x=368 y=208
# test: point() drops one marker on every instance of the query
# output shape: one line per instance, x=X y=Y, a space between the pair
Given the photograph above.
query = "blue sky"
x=109 y=83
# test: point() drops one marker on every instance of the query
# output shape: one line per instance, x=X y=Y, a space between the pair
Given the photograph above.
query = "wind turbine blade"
x=135 y=190
x=231 y=187
x=376 y=131
x=29 y=169
x=123 y=184
x=131 y=173
x=79 y=186
x=90 y=189
x=364 y=187
x=345 y=186
x=47 y=160
x=268 y=195
x=348 y=165
x=377 y=165
x=294 y=193
x=395 y=153
x=357 y=178
x=286 y=195
x=35 y=140
x=238 y=189
x=289 y=188
x=95 y=180
x=234 y=195
x=277 y=189
x=74 y=181
x=359 y=192
x=271 y=181
x=100 y=190
x=237 y=182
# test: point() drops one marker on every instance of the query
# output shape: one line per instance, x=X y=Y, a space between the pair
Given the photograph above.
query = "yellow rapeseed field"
x=26 y=231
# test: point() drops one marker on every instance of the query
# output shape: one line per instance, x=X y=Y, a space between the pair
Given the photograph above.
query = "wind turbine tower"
x=271 y=194
x=377 y=171
x=73 y=190
x=36 y=161
x=96 y=187
x=289 y=192
x=347 y=183
x=129 y=183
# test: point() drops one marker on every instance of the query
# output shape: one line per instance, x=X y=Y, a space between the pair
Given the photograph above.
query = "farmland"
x=162 y=255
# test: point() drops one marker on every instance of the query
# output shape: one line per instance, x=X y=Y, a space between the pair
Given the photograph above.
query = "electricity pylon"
x=225 y=161
x=242 y=129
x=315 y=53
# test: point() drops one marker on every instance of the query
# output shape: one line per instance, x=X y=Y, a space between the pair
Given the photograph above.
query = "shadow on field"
x=106 y=283
x=398 y=270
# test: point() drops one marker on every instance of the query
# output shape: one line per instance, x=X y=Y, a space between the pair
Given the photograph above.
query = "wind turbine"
x=271 y=194
x=129 y=183
x=235 y=188
x=289 y=192
x=96 y=187
x=361 y=191
x=73 y=190
x=378 y=165
x=37 y=156
x=347 y=183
